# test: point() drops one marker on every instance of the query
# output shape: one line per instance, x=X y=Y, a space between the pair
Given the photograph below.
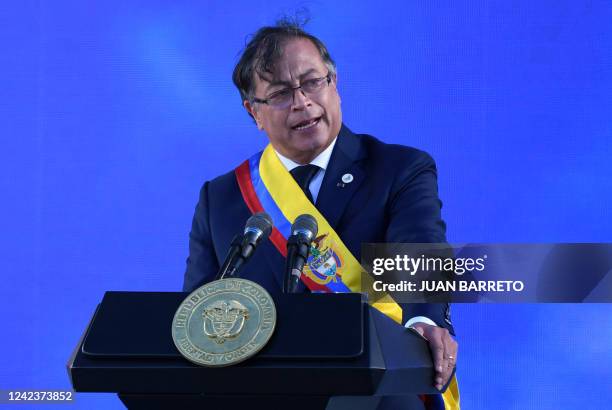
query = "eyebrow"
x=275 y=83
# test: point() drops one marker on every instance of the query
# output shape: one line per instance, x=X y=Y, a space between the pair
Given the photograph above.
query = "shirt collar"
x=321 y=160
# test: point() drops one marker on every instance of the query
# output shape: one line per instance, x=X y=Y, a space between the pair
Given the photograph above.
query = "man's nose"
x=300 y=99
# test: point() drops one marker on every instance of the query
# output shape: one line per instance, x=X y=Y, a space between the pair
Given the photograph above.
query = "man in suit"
x=367 y=191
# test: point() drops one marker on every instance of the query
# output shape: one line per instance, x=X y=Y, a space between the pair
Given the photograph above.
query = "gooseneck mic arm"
x=233 y=253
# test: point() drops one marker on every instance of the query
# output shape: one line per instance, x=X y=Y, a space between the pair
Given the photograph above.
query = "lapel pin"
x=347 y=178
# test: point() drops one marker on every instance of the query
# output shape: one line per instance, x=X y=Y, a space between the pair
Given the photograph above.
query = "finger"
x=437 y=348
x=447 y=361
x=454 y=351
x=450 y=356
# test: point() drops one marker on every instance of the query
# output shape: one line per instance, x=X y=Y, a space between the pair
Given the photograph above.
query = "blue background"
x=114 y=113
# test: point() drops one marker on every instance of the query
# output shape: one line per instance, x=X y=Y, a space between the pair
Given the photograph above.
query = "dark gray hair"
x=265 y=48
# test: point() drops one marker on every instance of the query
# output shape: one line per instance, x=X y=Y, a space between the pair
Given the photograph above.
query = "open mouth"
x=306 y=124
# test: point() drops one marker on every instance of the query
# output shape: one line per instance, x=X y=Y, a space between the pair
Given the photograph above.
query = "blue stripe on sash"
x=267 y=202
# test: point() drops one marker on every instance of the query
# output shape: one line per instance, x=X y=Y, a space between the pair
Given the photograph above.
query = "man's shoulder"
x=220 y=186
x=391 y=155
x=224 y=179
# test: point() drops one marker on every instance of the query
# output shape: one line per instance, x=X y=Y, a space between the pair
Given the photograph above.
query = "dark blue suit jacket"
x=392 y=198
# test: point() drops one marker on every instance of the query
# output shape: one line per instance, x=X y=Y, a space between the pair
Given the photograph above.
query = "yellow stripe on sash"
x=451 y=395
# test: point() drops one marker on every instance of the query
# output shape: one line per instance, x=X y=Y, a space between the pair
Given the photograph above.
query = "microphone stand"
x=229 y=267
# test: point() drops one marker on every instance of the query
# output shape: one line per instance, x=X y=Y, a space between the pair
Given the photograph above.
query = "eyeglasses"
x=284 y=98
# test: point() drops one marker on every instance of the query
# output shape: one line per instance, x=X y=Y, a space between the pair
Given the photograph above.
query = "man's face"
x=308 y=125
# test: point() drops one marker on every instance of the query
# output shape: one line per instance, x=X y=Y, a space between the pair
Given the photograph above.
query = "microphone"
x=303 y=231
x=258 y=227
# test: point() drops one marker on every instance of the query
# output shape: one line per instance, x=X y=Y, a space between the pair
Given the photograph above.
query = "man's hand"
x=443 y=350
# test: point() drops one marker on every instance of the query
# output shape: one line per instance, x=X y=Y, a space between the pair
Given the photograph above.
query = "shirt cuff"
x=420 y=319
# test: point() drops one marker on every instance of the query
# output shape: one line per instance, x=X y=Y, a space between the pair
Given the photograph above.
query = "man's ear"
x=251 y=110
x=335 y=81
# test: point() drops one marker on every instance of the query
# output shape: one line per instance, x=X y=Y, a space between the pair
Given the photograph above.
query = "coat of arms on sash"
x=323 y=262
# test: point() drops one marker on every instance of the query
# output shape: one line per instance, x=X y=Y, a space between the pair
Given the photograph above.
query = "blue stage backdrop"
x=114 y=113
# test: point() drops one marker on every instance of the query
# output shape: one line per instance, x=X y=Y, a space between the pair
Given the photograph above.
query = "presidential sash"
x=266 y=185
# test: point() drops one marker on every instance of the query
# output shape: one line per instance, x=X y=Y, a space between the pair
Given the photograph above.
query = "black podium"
x=328 y=351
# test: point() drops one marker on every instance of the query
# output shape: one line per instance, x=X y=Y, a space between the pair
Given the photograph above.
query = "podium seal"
x=224 y=322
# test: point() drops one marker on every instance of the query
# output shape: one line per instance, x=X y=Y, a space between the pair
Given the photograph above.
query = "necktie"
x=303 y=175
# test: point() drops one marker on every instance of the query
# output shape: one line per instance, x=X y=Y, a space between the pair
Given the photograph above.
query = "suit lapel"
x=337 y=188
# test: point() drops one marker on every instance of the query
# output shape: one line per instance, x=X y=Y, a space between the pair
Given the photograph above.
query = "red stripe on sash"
x=432 y=401
x=243 y=176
